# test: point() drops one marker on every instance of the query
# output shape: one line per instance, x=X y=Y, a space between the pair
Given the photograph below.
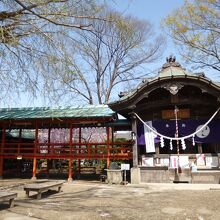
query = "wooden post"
x=135 y=149
x=19 y=145
x=112 y=129
x=35 y=152
x=70 y=179
x=34 y=169
x=157 y=149
x=199 y=148
x=108 y=147
x=2 y=152
x=48 y=150
x=19 y=162
x=48 y=141
x=70 y=174
x=80 y=141
x=89 y=150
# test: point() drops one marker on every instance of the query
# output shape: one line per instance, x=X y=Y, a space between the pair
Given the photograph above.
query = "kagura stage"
x=70 y=134
x=176 y=121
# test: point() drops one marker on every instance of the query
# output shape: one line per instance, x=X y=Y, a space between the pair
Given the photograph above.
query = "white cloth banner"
x=183 y=161
x=211 y=161
x=149 y=138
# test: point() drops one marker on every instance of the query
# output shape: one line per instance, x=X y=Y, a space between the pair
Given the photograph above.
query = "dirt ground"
x=85 y=200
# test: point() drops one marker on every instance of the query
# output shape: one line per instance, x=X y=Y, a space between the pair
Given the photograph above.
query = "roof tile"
x=59 y=112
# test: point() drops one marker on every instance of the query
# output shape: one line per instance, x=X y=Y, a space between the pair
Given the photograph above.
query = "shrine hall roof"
x=170 y=70
x=89 y=111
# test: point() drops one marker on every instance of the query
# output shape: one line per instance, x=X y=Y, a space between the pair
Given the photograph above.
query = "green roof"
x=173 y=71
x=89 y=111
x=120 y=122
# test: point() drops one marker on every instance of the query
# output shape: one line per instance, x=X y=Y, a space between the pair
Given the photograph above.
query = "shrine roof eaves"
x=89 y=111
x=157 y=79
x=169 y=71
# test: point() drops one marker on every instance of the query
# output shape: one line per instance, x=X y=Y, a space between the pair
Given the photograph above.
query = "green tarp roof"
x=89 y=111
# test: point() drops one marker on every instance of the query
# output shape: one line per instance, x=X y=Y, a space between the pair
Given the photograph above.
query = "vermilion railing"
x=115 y=150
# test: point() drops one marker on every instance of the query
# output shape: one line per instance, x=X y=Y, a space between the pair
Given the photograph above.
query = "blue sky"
x=153 y=11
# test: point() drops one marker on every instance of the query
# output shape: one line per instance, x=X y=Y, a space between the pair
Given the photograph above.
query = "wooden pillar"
x=70 y=176
x=157 y=149
x=113 y=130
x=19 y=155
x=48 y=140
x=135 y=149
x=48 y=150
x=19 y=145
x=108 y=148
x=35 y=152
x=199 y=148
x=89 y=150
x=112 y=139
x=2 y=152
x=80 y=141
x=34 y=169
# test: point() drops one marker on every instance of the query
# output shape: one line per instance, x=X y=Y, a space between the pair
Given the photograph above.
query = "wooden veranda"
x=72 y=147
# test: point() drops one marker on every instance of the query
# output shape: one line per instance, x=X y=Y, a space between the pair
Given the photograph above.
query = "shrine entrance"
x=175 y=119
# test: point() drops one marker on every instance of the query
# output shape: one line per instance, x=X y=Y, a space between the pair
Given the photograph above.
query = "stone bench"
x=42 y=187
x=8 y=196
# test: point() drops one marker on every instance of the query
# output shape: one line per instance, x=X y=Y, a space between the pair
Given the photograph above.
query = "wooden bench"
x=42 y=187
x=8 y=196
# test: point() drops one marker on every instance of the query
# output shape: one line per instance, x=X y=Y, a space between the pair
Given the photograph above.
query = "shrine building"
x=67 y=135
x=175 y=126
x=173 y=122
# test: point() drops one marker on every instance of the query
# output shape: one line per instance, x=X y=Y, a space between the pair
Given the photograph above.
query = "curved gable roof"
x=171 y=74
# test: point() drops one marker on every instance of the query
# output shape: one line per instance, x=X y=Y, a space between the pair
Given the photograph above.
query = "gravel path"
x=92 y=200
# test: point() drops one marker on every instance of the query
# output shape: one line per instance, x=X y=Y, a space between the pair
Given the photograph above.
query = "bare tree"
x=195 y=28
x=108 y=57
x=27 y=32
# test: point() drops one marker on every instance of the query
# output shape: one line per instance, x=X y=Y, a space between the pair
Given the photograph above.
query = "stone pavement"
x=179 y=186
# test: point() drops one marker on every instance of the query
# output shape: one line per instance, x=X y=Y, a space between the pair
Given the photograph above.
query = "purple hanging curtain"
x=211 y=134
